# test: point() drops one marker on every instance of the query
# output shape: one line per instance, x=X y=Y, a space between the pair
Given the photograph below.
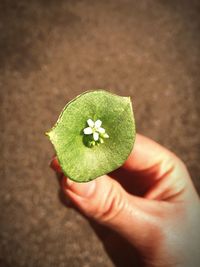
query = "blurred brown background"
x=50 y=51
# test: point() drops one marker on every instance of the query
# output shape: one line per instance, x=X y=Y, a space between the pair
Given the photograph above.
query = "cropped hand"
x=150 y=201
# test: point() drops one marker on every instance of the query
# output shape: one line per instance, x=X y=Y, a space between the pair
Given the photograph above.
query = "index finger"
x=147 y=155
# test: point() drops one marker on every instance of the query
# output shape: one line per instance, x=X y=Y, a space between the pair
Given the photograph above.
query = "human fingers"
x=146 y=164
x=104 y=200
x=148 y=156
x=161 y=171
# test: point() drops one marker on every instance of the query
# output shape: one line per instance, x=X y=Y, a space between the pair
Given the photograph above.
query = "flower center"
x=96 y=134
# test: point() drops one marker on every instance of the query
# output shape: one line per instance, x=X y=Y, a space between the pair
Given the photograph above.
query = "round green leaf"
x=81 y=158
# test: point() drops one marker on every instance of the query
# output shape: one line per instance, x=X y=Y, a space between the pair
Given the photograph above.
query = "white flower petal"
x=90 y=123
x=96 y=136
x=88 y=130
x=101 y=130
x=98 y=124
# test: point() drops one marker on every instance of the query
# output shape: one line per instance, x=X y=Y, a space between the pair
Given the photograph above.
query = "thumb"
x=104 y=200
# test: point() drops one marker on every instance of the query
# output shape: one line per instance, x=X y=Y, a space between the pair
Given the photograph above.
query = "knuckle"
x=111 y=206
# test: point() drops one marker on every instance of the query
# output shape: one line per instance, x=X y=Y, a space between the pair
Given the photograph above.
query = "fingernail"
x=51 y=163
x=55 y=165
x=82 y=189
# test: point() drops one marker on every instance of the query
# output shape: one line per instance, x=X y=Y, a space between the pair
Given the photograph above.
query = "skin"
x=150 y=201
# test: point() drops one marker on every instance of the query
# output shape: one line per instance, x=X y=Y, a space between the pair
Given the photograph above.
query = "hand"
x=150 y=201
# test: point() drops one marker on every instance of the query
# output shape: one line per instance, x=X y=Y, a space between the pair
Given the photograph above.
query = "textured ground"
x=50 y=51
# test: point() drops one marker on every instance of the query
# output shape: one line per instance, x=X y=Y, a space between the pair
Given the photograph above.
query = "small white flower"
x=96 y=130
